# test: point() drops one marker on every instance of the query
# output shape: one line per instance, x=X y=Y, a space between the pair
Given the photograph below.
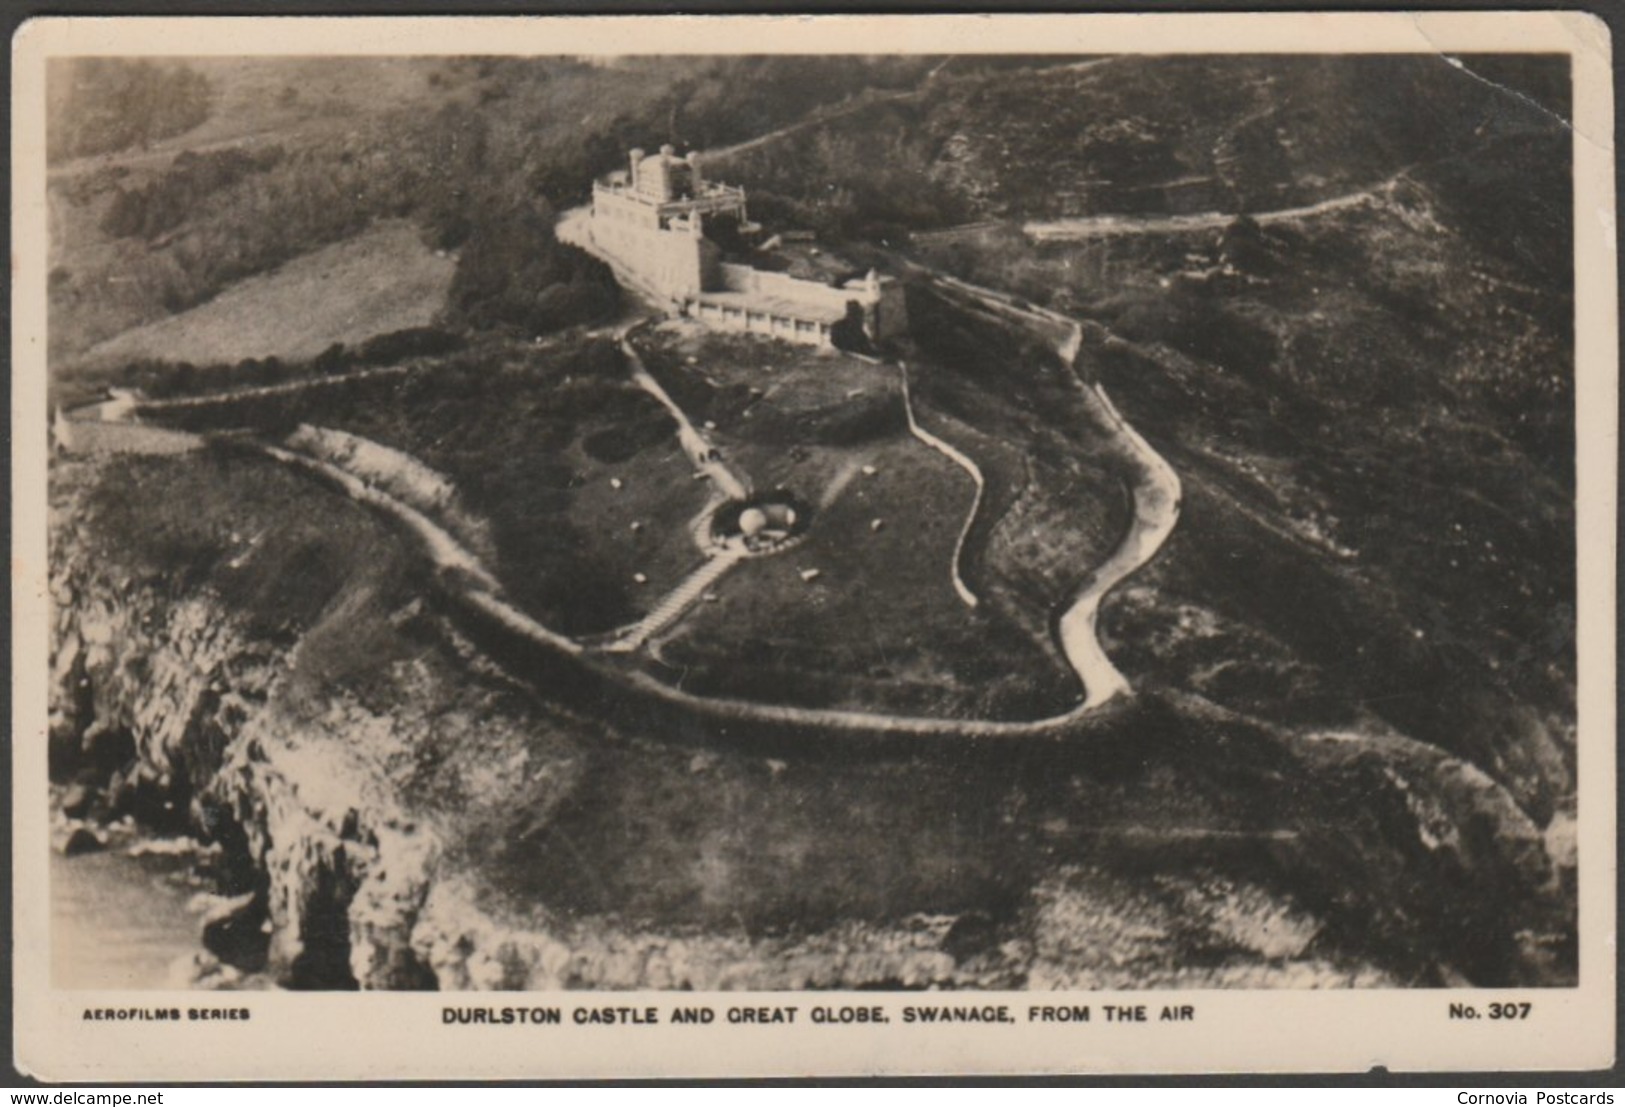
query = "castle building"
x=652 y=220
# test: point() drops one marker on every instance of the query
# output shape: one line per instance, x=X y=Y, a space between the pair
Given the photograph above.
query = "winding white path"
x=1156 y=510
x=705 y=457
x=1156 y=489
x=1156 y=494
x=1108 y=226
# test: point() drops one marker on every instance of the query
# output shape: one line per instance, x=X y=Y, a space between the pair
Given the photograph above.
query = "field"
x=862 y=612
x=384 y=279
x=536 y=440
x=880 y=626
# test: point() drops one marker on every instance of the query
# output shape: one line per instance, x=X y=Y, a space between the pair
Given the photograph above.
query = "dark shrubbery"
x=387 y=349
x=115 y=103
x=334 y=359
x=979 y=347
x=514 y=272
x=165 y=204
x=165 y=380
x=873 y=181
x=848 y=334
x=862 y=420
x=81 y=188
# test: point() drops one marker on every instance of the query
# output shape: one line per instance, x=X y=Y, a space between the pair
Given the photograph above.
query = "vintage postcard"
x=782 y=546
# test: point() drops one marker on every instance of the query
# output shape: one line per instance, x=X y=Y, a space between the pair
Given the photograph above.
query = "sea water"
x=120 y=920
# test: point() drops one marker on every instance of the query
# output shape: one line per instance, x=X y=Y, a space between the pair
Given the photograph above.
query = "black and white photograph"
x=985 y=528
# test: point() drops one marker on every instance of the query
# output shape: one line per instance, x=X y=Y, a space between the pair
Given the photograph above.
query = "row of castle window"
x=774 y=322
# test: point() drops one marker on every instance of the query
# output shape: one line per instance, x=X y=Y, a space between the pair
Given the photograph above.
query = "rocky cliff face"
x=169 y=710
x=312 y=838
x=389 y=810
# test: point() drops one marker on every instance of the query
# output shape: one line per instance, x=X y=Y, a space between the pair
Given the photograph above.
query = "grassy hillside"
x=1370 y=407
x=384 y=279
x=1148 y=135
x=104 y=105
x=467 y=148
x=1185 y=850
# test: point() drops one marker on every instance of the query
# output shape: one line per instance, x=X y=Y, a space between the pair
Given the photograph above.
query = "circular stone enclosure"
x=763 y=523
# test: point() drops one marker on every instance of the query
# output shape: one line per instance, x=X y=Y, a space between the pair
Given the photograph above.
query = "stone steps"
x=677 y=601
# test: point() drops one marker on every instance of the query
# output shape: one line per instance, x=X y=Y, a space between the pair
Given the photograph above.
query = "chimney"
x=636 y=157
x=666 y=151
x=694 y=171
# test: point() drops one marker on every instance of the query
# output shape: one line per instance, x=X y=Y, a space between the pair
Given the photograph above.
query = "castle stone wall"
x=673 y=264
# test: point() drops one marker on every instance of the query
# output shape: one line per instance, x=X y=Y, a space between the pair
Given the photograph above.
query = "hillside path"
x=1109 y=226
x=720 y=153
x=817 y=119
x=705 y=457
x=1156 y=493
x=677 y=601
